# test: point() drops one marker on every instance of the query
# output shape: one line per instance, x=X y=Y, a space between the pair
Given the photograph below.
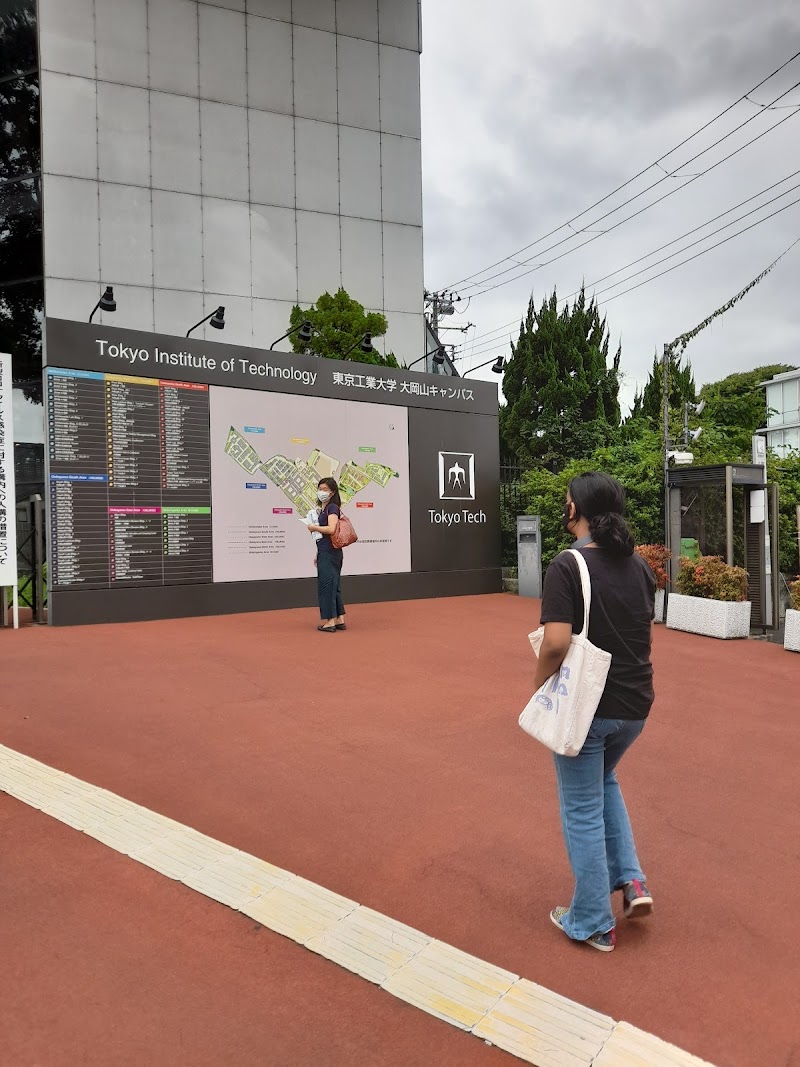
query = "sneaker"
x=602 y=942
x=638 y=901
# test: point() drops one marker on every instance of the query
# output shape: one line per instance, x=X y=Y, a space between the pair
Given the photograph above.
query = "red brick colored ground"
x=386 y=764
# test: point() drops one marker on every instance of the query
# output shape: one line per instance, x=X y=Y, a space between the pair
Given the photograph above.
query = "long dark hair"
x=333 y=485
x=600 y=499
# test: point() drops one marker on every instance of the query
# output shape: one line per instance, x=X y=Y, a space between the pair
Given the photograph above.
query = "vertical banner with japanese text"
x=8 y=510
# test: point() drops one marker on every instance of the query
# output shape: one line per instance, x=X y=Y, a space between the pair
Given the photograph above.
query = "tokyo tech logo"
x=456 y=476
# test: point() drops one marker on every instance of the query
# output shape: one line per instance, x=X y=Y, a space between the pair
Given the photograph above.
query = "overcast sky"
x=531 y=112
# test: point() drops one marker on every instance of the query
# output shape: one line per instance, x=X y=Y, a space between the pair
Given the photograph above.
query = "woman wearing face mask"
x=329 y=559
x=594 y=820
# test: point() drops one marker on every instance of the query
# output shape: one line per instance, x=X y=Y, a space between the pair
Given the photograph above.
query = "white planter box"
x=711 y=618
x=658 y=613
x=791 y=635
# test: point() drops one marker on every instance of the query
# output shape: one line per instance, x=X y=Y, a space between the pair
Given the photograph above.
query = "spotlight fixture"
x=105 y=303
x=304 y=331
x=217 y=320
x=437 y=353
x=364 y=345
x=498 y=366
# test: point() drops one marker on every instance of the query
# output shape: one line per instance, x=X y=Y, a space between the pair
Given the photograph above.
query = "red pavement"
x=404 y=783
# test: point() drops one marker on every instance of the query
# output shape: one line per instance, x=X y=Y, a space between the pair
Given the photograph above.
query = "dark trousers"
x=329 y=584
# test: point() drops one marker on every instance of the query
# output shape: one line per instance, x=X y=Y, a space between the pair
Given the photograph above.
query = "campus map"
x=298 y=479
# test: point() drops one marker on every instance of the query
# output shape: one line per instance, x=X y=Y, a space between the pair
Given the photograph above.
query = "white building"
x=783 y=404
x=245 y=153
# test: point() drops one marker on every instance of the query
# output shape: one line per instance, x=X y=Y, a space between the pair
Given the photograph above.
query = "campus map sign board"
x=179 y=470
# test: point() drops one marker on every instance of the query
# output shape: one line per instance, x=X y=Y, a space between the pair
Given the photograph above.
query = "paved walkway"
x=414 y=793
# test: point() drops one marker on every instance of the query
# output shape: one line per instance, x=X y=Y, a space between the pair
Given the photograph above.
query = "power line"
x=689 y=233
x=500 y=329
x=641 y=210
x=700 y=240
x=625 y=184
x=710 y=249
x=690 y=259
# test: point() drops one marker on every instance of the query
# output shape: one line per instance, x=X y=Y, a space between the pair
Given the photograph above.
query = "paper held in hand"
x=311 y=519
x=560 y=713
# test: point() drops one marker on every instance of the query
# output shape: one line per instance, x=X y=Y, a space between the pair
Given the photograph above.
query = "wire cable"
x=635 y=214
x=625 y=184
x=500 y=329
x=675 y=266
x=569 y=251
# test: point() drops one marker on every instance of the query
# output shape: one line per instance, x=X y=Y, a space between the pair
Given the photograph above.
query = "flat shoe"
x=341 y=625
x=327 y=629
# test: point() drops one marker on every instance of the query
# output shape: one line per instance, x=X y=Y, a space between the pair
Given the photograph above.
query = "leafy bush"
x=794 y=593
x=712 y=579
x=656 y=556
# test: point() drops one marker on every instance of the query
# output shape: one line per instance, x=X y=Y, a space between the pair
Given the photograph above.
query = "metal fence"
x=32 y=556
x=28 y=470
x=510 y=507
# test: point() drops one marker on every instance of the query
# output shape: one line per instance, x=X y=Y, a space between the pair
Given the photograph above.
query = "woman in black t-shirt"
x=594 y=820
x=329 y=559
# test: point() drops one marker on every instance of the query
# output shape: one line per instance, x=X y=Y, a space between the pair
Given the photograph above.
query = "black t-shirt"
x=620 y=621
x=324 y=543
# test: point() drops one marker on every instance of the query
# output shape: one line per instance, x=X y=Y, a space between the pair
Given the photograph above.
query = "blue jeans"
x=596 y=827
x=329 y=584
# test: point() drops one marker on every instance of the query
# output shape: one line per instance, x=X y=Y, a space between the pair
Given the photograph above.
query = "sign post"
x=8 y=500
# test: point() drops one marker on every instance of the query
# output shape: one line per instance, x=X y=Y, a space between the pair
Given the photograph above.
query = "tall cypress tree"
x=649 y=403
x=562 y=396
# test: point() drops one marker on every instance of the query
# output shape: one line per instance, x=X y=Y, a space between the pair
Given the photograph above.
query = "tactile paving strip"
x=525 y=1019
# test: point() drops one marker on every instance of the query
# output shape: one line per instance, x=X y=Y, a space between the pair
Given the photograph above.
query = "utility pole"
x=440 y=304
x=679 y=346
x=665 y=416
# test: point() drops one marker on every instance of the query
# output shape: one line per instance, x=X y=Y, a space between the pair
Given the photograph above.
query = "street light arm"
x=432 y=352
x=498 y=363
x=293 y=330
x=200 y=323
x=364 y=342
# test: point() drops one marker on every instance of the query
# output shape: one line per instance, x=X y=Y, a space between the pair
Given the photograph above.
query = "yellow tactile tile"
x=299 y=909
x=450 y=984
x=630 y=1047
x=369 y=944
x=528 y=1021
x=540 y=1026
x=237 y=879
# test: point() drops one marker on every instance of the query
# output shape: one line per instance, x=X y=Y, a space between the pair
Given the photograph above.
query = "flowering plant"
x=656 y=556
x=794 y=593
x=712 y=579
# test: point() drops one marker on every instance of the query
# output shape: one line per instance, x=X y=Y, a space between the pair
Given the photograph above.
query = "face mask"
x=323 y=496
x=566 y=518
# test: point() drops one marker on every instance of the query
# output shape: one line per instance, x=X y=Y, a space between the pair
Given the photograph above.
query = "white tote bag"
x=561 y=712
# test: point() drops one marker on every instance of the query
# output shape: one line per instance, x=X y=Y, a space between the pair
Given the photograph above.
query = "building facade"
x=245 y=153
x=783 y=405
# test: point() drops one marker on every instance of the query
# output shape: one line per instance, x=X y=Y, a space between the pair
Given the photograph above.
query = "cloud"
x=532 y=112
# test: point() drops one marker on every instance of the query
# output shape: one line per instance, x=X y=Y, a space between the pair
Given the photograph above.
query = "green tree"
x=635 y=463
x=786 y=472
x=21 y=284
x=562 y=394
x=339 y=323
x=736 y=407
x=649 y=404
